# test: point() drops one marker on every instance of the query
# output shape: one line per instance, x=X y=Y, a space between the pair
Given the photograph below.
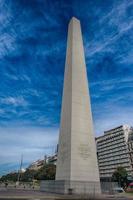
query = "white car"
x=118 y=190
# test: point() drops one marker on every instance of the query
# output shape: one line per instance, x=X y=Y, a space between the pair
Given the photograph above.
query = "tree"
x=47 y=172
x=120 y=175
x=9 y=177
x=28 y=175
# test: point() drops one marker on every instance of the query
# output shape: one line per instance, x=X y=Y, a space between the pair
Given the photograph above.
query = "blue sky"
x=33 y=38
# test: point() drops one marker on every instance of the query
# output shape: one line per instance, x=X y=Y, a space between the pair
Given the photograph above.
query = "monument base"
x=71 y=187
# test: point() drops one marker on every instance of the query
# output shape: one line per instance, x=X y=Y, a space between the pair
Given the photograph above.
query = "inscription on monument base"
x=84 y=151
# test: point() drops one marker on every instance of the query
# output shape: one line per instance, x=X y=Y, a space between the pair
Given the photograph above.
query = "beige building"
x=36 y=165
x=52 y=159
x=113 y=150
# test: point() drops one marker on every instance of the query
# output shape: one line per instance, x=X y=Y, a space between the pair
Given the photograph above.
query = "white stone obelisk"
x=77 y=160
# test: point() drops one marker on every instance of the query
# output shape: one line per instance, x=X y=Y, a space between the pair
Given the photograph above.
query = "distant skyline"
x=33 y=35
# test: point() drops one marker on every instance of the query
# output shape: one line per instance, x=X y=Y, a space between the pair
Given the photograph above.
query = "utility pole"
x=45 y=159
x=20 y=169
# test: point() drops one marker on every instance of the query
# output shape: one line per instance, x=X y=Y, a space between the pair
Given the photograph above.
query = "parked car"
x=118 y=190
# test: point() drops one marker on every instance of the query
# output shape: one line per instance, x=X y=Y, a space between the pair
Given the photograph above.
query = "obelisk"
x=77 y=160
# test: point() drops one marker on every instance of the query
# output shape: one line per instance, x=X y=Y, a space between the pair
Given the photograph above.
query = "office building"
x=113 y=150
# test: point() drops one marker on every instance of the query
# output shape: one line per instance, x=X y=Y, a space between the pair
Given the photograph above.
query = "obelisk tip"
x=74 y=19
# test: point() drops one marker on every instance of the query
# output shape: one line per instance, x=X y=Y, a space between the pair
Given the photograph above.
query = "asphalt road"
x=17 y=194
x=24 y=194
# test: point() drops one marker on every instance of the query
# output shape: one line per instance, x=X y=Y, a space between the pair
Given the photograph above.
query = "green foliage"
x=47 y=172
x=9 y=177
x=120 y=175
x=28 y=175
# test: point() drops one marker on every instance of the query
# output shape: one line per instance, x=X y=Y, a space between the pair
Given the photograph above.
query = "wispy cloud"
x=113 y=26
x=15 y=101
x=33 y=143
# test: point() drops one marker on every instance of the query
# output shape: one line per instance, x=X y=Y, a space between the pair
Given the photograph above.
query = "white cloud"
x=115 y=18
x=32 y=142
x=7 y=44
x=117 y=12
x=108 y=119
x=111 y=83
x=15 y=101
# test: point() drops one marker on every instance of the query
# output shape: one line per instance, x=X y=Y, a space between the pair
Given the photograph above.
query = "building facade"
x=113 y=151
x=36 y=165
x=130 y=146
x=52 y=159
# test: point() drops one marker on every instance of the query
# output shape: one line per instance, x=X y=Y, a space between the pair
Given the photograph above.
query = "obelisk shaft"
x=77 y=159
